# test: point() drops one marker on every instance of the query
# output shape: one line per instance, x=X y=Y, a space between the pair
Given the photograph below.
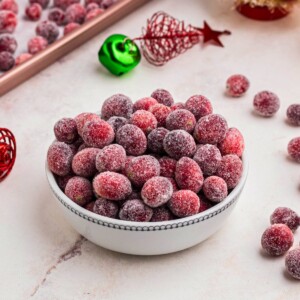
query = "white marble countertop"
x=42 y=257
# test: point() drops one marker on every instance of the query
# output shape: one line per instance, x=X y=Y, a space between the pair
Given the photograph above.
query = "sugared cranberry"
x=184 y=203
x=42 y=3
x=33 y=12
x=233 y=143
x=91 y=6
x=117 y=105
x=112 y=186
x=167 y=166
x=7 y=61
x=178 y=105
x=162 y=96
x=277 y=239
x=79 y=190
x=179 y=143
x=292 y=263
x=144 y=103
x=211 y=129
x=230 y=169
x=57 y=16
x=208 y=157
x=62 y=181
x=9 y=5
x=106 y=208
x=37 y=44
x=84 y=162
x=83 y=118
x=156 y=138
x=135 y=210
x=75 y=13
x=181 y=119
x=132 y=138
x=161 y=113
x=237 y=85
x=142 y=168
x=294 y=149
x=63 y=4
x=93 y=13
x=161 y=214
x=157 y=191
x=65 y=130
x=215 y=188
x=111 y=158
x=117 y=122
x=188 y=175
x=70 y=27
x=22 y=58
x=98 y=134
x=47 y=30
x=144 y=120
x=8 y=21
x=8 y=43
x=293 y=114
x=199 y=106
x=285 y=215
x=204 y=204
x=266 y=104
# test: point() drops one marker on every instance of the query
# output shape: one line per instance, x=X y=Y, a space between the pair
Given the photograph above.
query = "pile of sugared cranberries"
x=278 y=238
x=148 y=161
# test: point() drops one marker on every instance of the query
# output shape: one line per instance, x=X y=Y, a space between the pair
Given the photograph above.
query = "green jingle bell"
x=119 y=54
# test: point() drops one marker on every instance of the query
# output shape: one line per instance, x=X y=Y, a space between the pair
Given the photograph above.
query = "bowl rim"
x=147 y=226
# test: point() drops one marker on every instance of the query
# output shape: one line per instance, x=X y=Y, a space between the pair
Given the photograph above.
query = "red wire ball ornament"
x=8 y=151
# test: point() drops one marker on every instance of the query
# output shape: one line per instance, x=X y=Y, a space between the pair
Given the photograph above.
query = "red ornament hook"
x=8 y=152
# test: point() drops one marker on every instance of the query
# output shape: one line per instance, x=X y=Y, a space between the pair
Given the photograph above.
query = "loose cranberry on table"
x=70 y=27
x=294 y=149
x=285 y=215
x=163 y=96
x=75 y=13
x=293 y=114
x=266 y=104
x=33 y=12
x=57 y=16
x=47 y=30
x=237 y=85
x=8 y=43
x=8 y=21
x=292 y=262
x=7 y=61
x=37 y=44
x=11 y=5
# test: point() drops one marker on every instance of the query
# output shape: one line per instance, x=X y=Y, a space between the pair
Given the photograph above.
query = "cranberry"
x=75 y=13
x=266 y=104
x=215 y=188
x=233 y=143
x=8 y=43
x=167 y=166
x=144 y=103
x=199 y=106
x=162 y=96
x=161 y=113
x=284 y=215
x=7 y=61
x=293 y=114
x=106 y=208
x=294 y=149
x=237 y=85
x=37 y=44
x=47 y=30
x=65 y=130
x=135 y=210
x=84 y=162
x=181 y=119
x=33 y=12
x=292 y=263
x=156 y=138
x=144 y=120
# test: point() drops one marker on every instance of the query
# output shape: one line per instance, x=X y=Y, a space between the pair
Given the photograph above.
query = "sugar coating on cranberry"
x=161 y=214
x=79 y=190
x=84 y=162
x=65 y=130
x=117 y=122
x=62 y=181
x=37 y=44
x=91 y=6
x=215 y=189
x=156 y=138
x=48 y=30
x=142 y=168
x=211 y=129
x=9 y=5
x=8 y=21
x=179 y=143
x=292 y=113
x=75 y=13
x=136 y=211
x=144 y=103
x=233 y=143
x=22 y=58
x=144 y=120
x=132 y=138
x=294 y=149
x=237 y=85
x=199 y=106
x=174 y=184
x=112 y=186
x=184 y=203
x=157 y=191
x=70 y=27
x=277 y=239
x=292 y=263
x=117 y=105
x=111 y=158
x=163 y=96
x=181 y=119
x=8 y=43
x=230 y=169
x=93 y=13
x=7 y=61
x=178 y=105
x=188 y=175
x=167 y=166
x=161 y=113
x=59 y=158
x=98 y=134
x=33 y=12
x=106 y=208
x=266 y=104
x=57 y=15
x=83 y=118
x=42 y=3
x=285 y=215
x=208 y=157
x=63 y=4
x=90 y=206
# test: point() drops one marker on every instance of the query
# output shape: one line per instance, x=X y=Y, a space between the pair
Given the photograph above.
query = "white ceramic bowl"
x=147 y=238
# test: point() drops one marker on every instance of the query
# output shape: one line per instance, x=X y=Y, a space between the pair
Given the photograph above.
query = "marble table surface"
x=43 y=257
